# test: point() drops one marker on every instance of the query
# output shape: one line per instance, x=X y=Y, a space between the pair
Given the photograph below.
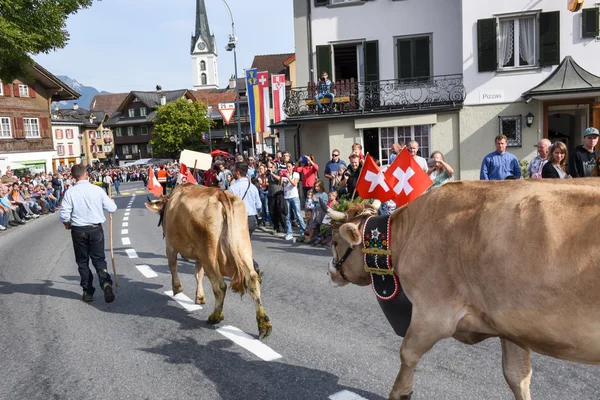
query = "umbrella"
x=215 y=153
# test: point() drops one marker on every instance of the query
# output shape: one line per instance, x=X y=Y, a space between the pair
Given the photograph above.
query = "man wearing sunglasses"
x=332 y=167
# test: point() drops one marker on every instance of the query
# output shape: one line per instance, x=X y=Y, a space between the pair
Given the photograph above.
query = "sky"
x=124 y=45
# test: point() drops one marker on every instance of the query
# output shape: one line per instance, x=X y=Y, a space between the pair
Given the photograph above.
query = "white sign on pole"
x=196 y=159
x=227 y=110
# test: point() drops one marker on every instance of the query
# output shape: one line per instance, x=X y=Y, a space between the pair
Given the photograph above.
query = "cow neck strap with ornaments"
x=377 y=255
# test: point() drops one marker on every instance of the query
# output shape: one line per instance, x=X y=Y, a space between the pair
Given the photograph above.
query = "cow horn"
x=376 y=205
x=149 y=201
x=336 y=215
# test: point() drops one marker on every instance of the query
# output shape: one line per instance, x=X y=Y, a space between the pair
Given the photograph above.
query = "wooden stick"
x=110 y=235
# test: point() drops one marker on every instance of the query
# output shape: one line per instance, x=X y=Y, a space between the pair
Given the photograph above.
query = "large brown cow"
x=517 y=260
x=210 y=226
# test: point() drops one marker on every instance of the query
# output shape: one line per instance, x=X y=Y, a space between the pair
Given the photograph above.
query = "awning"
x=391 y=121
x=566 y=80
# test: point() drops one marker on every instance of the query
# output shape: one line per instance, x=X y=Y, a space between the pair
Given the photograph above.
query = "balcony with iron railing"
x=435 y=92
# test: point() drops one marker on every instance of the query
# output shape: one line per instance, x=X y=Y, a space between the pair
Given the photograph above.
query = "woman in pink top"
x=308 y=169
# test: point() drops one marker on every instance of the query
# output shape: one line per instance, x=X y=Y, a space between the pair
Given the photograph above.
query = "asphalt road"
x=145 y=345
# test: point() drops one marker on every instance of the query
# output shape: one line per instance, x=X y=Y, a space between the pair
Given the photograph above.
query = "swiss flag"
x=372 y=183
x=185 y=175
x=406 y=178
x=153 y=185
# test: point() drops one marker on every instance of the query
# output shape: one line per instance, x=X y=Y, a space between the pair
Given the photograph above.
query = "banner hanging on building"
x=263 y=88
x=278 y=86
x=254 y=105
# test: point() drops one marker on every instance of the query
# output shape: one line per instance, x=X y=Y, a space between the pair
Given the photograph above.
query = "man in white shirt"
x=413 y=148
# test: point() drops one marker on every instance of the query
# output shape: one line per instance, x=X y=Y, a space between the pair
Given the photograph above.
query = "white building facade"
x=429 y=71
x=205 y=74
x=66 y=137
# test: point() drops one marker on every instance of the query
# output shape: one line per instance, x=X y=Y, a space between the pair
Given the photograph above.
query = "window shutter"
x=16 y=90
x=324 y=60
x=58 y=133
x=371 y=61
x=18 y=128
x=44 y=128
x=590 y=18
x=32 y=92
x=549 y=38
x=487 y=53
x=404 y=54
x=7 y=91
x=321 y=3
x=422 y=65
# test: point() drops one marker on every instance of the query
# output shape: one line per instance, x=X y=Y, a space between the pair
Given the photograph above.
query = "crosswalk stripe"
x=184 y=301
x=146 y=271
x=246 y=341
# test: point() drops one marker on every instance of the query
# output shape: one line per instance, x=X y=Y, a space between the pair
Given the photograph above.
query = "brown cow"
x=210 y=226
x=517 y=260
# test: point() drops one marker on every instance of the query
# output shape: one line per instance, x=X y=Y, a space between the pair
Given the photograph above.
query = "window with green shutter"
x=321 y=3
x=413 y=57
x=323 y=60
x=371 y=53
x=590 y=22
x=486 y=45
x=549 y=38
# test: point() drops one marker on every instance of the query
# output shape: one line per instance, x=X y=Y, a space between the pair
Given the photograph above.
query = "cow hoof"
x=264 y=327
x=215 y=318
x=200 y=300
x=177 y=289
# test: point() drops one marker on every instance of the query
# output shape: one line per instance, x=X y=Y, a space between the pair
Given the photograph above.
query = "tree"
x=30 y=27
x=179 y=126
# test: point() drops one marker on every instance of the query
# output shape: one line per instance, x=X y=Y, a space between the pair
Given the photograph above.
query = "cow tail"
x=238 y=281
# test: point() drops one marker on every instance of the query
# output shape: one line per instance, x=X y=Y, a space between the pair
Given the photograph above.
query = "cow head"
x=156 y=206
x=347 y=265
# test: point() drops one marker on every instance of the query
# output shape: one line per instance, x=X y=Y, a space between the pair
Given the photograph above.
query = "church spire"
x=202 y=29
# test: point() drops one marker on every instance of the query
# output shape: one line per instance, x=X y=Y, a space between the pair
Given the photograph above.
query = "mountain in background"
x=87 y=93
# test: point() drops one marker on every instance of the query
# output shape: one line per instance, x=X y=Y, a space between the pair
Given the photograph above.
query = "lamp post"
x=231 y=46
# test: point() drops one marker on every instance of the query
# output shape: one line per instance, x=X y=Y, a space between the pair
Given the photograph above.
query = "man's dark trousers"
x=88 y=242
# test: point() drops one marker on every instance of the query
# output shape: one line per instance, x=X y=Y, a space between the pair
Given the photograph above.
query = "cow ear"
x=351 y=234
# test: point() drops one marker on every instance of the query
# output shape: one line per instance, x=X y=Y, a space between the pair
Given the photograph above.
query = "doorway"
x=566 y=123
x=371 y=142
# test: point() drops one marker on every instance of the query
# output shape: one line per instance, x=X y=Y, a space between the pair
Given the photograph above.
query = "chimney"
x=163 y=100
x=75 y=106
x=232 y=82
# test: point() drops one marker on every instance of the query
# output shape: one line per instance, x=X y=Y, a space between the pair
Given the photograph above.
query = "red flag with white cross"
x=153 y=184
x=406 y=178
x=372 y=184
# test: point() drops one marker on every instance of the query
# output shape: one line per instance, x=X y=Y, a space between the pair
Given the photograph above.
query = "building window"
x=203 y=79
x=202 y=65
x=60 y=149
x=69 y=133
x=32 y=127
x=5 y=129
x=58 y=134
x=131 y=112
x=118 y=132
x=1 y=89
x=143 y=111
x=517 y=42
x=70 y=149
x=510 y=126
x=391 y=135
x=148 y=149
x=98 y=148
x=130 y=131
x=125 y=149
x=413 y=57
x=134 y=149
x=98 y=134
x=23 y=91
x=144 y=130
x=107 y=148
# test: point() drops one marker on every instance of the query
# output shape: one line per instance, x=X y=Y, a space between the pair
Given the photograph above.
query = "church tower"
x=204 y=52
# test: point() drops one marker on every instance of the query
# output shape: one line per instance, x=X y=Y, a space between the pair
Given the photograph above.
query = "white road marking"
x=254 y=346
x=146 y=271
x=131 y=253
x=126 y=241
x=124 y=231
x=125 y=224
x=184 y=301
x=126 y=214
x=125 y=218
x=346 y=395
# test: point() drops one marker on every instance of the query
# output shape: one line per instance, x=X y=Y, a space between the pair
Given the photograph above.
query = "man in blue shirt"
x=332 y=167
x=82 y=212
x=500 y=165
x=324 y=90
x=243 y=188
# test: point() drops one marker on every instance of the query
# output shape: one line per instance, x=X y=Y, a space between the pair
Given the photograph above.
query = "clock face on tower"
x=201 y=46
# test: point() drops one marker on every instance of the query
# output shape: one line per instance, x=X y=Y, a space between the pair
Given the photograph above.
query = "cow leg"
x=419 y=339
x=172 y=258
x=200 y=299
x=264 y=326
x=219 y=288
x=516 y=365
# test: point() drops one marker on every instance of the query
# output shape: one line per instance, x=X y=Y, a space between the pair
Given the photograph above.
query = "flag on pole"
x=278 y=86
x=153 y=185
x=254 y=104
x=406 y=178
x=263 y=89
x=185 y=175
x=372 y=184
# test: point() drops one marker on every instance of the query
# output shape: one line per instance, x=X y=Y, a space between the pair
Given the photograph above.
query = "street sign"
x=227 y=110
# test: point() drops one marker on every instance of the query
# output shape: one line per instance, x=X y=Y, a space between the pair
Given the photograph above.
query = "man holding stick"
x=82 y=214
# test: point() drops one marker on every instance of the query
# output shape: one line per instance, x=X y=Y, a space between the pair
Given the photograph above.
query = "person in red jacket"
x=308 y=169
x=161 y=176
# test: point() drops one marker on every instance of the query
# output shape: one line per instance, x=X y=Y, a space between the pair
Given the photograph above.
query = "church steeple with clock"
x=204 y=52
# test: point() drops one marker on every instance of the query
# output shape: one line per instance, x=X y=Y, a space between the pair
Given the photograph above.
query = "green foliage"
x=179 y=126
x=30 y=27
x=524 y=164
x=345 y=203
